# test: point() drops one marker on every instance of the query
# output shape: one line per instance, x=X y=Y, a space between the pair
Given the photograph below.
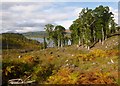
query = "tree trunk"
x=100 y=40
x=103 y=36
x=58 y=42
x=79 y=41
x=94 y=36
x=61 y=43
x=88 y=47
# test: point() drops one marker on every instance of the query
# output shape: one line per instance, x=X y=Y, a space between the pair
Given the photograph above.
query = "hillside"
x=67 y=65
x=18 y=41
x=40 y=34
x=80 y=51
x=36 y=34
x=110 y=43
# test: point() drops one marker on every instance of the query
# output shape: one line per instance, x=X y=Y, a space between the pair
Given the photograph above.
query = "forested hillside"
x=67 y=65
x=18 y=41
x=40 y=34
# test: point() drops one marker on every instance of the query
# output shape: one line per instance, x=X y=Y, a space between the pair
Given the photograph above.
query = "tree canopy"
x=92 y=26
x=56 y=33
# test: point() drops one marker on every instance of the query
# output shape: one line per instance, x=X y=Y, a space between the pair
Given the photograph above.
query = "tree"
x=92 y=26
x=45 y=44
x=49 y=28
x=54 y=37
x=56 y=34
x=60 y=30
x=104 y=16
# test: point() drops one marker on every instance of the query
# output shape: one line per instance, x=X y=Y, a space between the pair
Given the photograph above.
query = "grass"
x=68 y=65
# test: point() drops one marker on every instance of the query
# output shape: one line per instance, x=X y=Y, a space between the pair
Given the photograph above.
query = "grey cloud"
x=15 y=19
x=7 y=5
x=30 y=24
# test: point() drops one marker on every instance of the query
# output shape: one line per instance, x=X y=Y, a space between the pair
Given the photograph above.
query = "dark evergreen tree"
x=92 y=26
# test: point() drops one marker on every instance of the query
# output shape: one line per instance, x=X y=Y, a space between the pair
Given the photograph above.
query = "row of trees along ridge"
x=92 y=25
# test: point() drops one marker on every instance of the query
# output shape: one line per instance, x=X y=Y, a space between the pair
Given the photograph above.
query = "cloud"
x=29 y=24
x=115 y=12
x=58 y=1
x=16 y=16
x=27 y=0
x=65 y=23
x=77 y=11
x=13 y=0
x=27 y=29
x=29 y=16
x=66 y=15
x=19 y=8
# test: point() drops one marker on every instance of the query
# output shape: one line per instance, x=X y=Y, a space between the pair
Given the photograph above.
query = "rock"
x=51 y=52
x=19 y=56
x=58 y=56
x=73 y=65
x=66 y=60
x=108 y=63
x=67 y=64
x=105 y=46
x=112 y=61
x=77 y=45
x=72 y=55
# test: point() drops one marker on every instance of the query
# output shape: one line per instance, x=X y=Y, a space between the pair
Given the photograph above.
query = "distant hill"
x=36 y=34
x=40 y=34
x=18 y=41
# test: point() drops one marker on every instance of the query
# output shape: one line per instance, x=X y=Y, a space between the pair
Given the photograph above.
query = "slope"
x=17 y=41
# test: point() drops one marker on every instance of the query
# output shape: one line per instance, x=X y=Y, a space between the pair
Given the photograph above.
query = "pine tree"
x=92 y=26
x=45 y=44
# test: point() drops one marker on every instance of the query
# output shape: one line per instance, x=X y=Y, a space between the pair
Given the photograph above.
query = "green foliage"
x=60 y=30
x=56 y=34
x=65 y=69
x=38 y=34
x=45 y=44
x=18 y=41
x=98 y=53
x=11 y=69
x=67 y=65
x=42 y=72
x=92 y=25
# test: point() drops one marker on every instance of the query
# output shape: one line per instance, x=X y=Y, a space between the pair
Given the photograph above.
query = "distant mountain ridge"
x=36 y=34
x=18 y=41
x=40 y=34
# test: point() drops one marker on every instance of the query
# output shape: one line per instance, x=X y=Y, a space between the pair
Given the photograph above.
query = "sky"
x=20 y=16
